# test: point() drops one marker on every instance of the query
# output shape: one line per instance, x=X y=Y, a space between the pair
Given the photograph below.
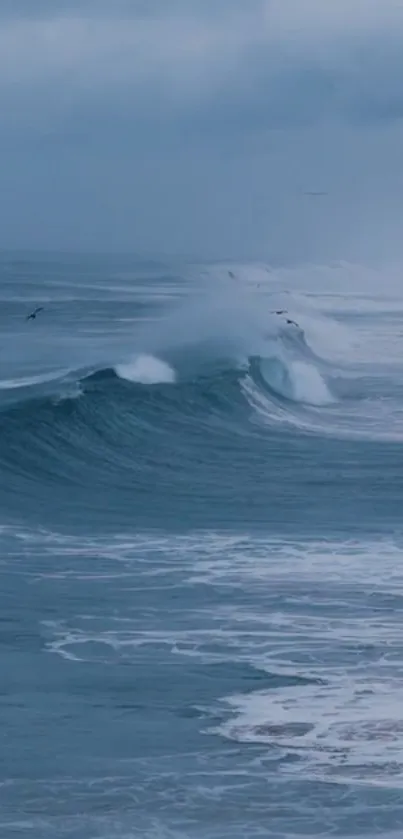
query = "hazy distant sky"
x=196 y=126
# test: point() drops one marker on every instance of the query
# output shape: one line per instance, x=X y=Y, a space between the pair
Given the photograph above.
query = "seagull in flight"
x=287 y=320
x=33 y=314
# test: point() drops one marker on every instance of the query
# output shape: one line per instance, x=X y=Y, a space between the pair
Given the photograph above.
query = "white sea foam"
x=308 y=384
x=347 y=729
x=146 y=369
x=322 y=618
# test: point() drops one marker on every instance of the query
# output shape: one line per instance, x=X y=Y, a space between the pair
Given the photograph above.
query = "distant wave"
x=31 y=381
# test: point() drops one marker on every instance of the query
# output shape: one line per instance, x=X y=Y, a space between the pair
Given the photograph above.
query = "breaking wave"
x=209 y=390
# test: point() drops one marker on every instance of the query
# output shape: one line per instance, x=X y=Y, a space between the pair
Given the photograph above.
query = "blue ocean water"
x=201 y=618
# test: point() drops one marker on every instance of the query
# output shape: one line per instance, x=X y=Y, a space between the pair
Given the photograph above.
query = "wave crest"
x=297 y=381
x=147 y=370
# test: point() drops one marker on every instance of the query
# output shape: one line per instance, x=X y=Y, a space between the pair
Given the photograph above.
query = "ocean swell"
x=122 y=422
x=180 y=407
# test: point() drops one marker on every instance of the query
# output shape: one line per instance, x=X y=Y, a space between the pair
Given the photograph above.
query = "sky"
x=198 y=126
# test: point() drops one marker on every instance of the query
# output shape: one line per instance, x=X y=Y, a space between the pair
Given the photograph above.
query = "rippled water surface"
x=201 y=551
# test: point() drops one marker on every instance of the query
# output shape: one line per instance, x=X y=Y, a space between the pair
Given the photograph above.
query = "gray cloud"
x=196 y=125
x=290 y=58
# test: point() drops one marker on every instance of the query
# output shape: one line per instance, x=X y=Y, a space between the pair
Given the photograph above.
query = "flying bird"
x=287 y=320
x=33 y=314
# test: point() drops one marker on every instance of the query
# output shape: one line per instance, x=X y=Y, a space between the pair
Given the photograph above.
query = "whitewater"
x=201 y=549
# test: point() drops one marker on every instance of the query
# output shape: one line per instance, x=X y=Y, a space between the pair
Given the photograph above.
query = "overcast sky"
x=196 y=126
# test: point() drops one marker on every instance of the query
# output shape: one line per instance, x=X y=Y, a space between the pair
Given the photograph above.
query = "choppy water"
x=201 y=616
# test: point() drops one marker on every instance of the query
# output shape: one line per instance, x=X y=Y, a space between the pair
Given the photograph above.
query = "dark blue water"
x=201 y=552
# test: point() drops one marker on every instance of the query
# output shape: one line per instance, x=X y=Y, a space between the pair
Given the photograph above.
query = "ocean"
x=201 y=619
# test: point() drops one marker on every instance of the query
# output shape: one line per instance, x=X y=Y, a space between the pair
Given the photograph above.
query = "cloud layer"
x=153 y=86
x=298 y=59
